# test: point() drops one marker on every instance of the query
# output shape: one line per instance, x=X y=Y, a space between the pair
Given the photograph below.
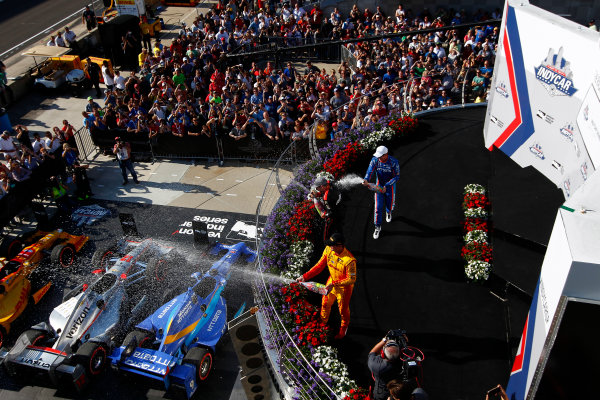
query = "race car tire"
x=143 y=339
x=10 y=248
x=2 y=335
x=63 y=254
x=157 y=270
x=92 y=356
x=101 y=257
x=31 y=337
x=202 y=359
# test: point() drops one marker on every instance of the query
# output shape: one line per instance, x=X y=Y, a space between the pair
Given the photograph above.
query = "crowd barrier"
x=222 y=147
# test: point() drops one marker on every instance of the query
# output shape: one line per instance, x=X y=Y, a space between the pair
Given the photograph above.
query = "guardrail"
x=295 y=374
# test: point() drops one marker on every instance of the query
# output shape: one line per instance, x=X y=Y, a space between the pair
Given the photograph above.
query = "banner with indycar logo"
x=224 y=227
x=544 y=107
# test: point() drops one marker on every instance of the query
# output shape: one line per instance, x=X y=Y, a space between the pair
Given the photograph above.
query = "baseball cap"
x=336 y=238
x=117 y=139
x=380 y=151
x=90 y=98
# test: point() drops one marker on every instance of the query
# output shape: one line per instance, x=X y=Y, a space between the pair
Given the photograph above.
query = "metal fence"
x=85 y=145
x=294 y=372
x=295 y=375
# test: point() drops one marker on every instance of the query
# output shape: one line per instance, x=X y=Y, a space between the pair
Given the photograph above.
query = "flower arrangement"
x=357 y=394
x=388 y=128
x=476 y=236
x=478 y=270
x=342 y=160
x=301 y=225
x=297 y=264
x=476 y=213
x=474 y=188
x=475 y=224
x=286 y=248
x=327 y=360
x=477 y=252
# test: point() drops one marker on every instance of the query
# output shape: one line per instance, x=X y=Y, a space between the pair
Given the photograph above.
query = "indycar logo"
x=34 y=363
x=78 y=322
x=567 y=131
x=536 y=150
x=584 y=171
x=567 y=187
x=501 y=89
x=555 y=74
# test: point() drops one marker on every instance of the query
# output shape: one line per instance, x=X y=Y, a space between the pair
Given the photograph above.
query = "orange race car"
x=15 y=287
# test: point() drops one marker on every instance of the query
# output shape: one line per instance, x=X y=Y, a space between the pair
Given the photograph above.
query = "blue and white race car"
x=73 y=346
x=176 y=344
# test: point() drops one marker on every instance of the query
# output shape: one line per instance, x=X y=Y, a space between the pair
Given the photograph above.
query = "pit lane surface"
x=170 y=226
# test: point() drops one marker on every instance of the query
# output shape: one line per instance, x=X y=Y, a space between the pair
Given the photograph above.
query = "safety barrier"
x=293 y=371
x=85 y=144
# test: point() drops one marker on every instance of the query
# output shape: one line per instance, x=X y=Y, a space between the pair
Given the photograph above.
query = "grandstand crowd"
x=187 y=87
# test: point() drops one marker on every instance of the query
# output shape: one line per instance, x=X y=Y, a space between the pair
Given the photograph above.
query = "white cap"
x=381 y=150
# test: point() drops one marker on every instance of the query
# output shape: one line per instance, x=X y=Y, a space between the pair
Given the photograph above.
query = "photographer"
x=385 y=364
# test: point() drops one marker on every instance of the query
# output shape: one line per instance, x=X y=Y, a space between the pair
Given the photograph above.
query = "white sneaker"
x=376 y=233
x=388 y=216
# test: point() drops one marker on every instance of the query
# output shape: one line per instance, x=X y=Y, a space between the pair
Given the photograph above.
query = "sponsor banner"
x=89 y=214
x=543 y=105
x=222 y=226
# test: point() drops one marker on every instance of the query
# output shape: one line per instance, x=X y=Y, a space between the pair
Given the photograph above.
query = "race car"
x=15 y=284
x=176 y=344
x=81 y=332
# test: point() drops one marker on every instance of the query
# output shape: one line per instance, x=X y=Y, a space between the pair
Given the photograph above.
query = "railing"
x=294 y=373
x=84 y=143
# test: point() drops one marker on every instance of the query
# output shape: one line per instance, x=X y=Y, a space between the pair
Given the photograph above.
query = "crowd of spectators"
x=39 y=167
x=186 y=88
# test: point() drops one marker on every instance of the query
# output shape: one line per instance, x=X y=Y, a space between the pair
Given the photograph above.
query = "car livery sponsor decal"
x=149 y=362
x=536 y=150
x=213 y=321
x=39 y=363
x=78 y=322
x=167 y=308
x=555 y=74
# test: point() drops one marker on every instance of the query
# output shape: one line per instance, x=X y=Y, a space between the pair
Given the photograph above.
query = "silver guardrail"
x=295 y=374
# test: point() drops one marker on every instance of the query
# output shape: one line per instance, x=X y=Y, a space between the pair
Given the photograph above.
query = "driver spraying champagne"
x=342 y=270
x=327 y=198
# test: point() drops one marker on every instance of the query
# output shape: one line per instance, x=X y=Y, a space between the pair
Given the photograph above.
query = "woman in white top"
x=107 y=76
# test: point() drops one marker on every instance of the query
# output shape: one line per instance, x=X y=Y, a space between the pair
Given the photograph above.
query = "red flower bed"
x=302 y=223
x=302 y=317
x=475 y=200
x=477 y=251
x=342 y=160
x=475 y=224
x=403 y=124
x=357 y=394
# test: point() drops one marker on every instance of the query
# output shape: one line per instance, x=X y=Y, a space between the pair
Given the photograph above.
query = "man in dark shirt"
x=385 y=366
